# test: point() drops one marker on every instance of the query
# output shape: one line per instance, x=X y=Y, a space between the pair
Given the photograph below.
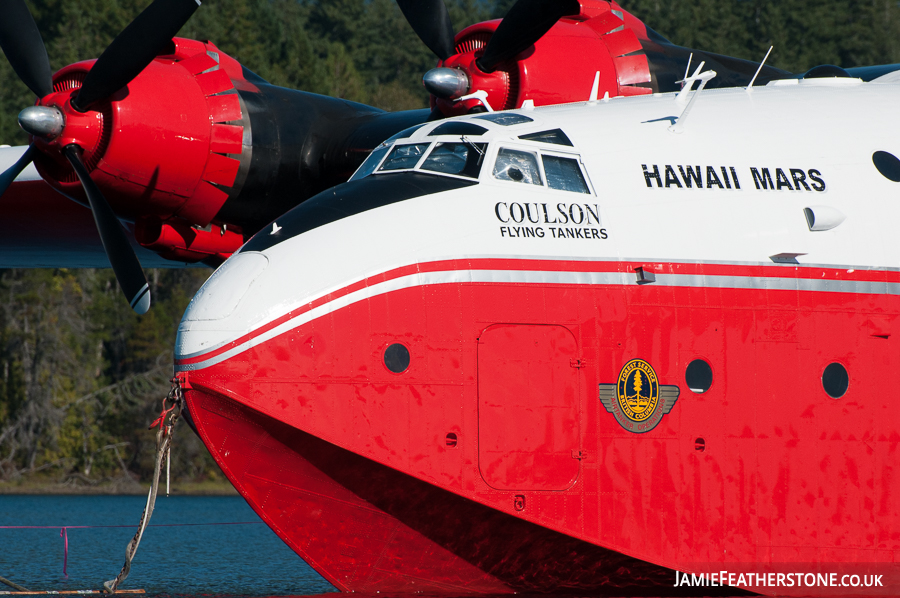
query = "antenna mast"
x=760 y=68
x=704 y=78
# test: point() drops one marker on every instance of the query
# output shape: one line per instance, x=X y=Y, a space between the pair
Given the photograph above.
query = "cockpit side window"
x=564 y=174
x=404 y=156
x=463 y=159
x=517 y=166
x=371 y=163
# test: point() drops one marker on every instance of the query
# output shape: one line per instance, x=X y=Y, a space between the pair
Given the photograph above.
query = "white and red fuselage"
x=475 y=382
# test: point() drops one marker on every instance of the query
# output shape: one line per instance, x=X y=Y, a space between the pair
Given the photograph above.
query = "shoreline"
x=115 y=487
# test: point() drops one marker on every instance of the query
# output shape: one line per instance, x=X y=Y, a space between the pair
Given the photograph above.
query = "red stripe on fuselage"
x=513 y=264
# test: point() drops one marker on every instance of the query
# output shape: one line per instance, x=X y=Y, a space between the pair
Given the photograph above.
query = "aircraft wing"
x=40 y=228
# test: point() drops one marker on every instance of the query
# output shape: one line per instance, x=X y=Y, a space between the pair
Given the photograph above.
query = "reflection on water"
x=245 y=560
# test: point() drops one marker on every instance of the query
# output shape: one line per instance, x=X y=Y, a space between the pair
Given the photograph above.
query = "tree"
x=804 y=33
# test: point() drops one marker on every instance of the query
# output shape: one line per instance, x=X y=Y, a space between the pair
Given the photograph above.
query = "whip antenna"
x=760 y=68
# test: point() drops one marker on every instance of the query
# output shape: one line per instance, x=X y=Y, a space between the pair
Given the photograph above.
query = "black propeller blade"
x=128 y=55
x=124 y=262
x=133 y=50
x=431 y=22
x=525 y=23
x=21 y=42
x=16 y=169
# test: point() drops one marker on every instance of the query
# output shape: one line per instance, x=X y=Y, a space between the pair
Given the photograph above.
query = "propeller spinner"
x=525 y=23
x=62 y=117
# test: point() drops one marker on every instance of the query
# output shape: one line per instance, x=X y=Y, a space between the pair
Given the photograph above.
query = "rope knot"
x=167 y=416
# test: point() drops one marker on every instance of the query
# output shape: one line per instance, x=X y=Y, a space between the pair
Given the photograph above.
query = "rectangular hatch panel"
x=528 y=415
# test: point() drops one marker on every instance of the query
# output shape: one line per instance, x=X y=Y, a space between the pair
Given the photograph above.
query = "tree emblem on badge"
x=637 y=400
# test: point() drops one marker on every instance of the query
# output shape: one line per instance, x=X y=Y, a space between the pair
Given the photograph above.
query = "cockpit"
x=509 y=151
x=490 y=151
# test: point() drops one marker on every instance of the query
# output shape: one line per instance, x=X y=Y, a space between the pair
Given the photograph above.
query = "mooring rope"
x=171 y=409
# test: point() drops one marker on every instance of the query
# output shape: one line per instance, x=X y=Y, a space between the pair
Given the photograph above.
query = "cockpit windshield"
x=462 y=156
x=404 y=157
x=457 y=158
x=374 y=159
x=371 y=163
x=463 y=159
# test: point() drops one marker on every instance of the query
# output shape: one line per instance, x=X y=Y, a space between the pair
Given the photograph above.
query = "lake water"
x=239 y=560
x=173 y=560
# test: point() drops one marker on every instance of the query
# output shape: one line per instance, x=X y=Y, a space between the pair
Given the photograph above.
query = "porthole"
x=698 y=376
x=396 y=358
x=888 y=165
x=835 y=380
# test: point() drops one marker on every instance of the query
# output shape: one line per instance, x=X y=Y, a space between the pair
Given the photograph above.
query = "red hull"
x=790 y=479
x=369 y=528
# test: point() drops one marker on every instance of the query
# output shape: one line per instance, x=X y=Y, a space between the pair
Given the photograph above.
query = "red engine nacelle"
x=167 y=146
x=561 y=66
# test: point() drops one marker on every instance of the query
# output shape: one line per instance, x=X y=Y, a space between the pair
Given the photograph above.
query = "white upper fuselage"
x=815 y=135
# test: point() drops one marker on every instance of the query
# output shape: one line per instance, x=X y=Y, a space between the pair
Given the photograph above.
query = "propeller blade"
x=124 y=262
x=431 y=22
x=16 y=169
x=525 y=23
x=133 y=50
x=21 y=42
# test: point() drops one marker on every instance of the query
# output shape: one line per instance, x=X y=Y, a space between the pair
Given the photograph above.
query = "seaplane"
x=533 y=343
x=616 y=346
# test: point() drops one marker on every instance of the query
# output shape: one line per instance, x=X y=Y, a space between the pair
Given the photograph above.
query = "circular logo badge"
x=637 y=390
x=637 y=399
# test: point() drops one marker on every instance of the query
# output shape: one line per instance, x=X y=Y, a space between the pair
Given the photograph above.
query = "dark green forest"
x=83 y=376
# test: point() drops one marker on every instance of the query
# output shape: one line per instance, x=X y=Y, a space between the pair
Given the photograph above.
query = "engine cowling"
x=595 y=40
x=160 y=147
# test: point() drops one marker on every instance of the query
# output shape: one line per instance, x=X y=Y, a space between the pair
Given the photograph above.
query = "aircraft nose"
x=215 y=315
